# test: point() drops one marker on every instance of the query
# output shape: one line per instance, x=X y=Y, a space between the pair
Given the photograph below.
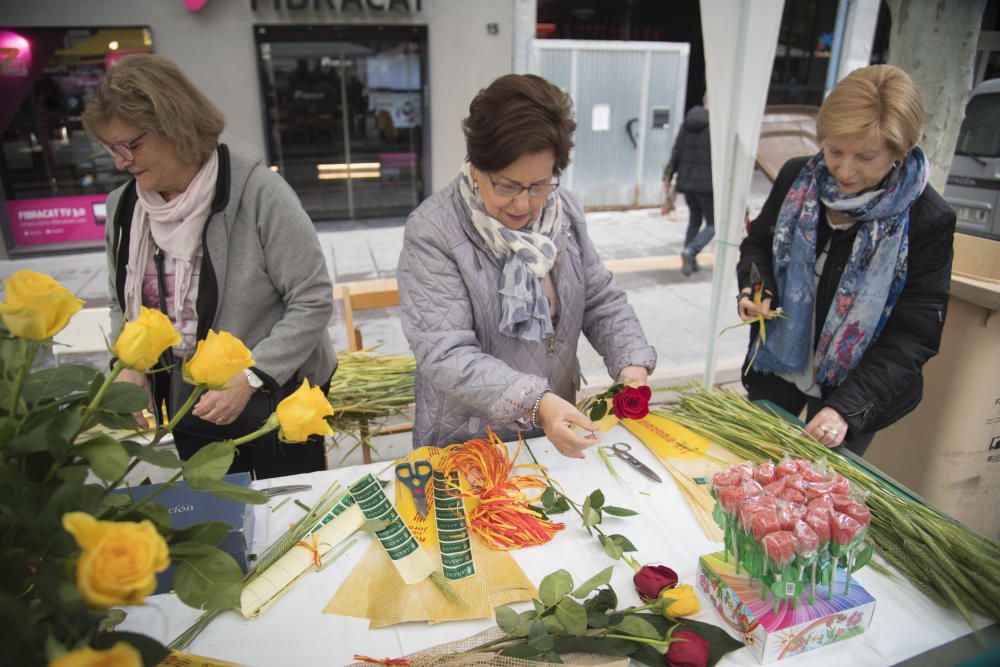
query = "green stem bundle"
x=953 y=565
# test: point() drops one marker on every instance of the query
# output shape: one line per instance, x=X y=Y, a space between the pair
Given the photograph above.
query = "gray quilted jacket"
x=469 y=375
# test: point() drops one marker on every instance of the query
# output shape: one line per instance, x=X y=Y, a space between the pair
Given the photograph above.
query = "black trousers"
x=787 y=396
x=264 y=457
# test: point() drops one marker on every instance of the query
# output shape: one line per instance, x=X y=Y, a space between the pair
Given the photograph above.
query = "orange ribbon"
x=314 y=548
x=383 y=661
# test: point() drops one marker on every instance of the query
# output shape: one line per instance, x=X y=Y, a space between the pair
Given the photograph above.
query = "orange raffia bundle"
x=502 y=517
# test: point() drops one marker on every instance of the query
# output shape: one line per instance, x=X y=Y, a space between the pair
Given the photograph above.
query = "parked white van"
x=973 y=188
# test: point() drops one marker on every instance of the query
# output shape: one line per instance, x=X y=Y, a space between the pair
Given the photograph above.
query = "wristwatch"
x=253 y=379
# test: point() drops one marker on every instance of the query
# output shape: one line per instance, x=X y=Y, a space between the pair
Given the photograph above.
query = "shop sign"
x=15 y=54
x=339 y=5
x=57 y=219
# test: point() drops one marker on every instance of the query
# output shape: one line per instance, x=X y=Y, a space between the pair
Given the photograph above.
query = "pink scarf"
x=174 y=226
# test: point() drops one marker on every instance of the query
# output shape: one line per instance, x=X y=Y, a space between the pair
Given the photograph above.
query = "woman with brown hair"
x=498 y=278
x=857 y=247
x=216 y=240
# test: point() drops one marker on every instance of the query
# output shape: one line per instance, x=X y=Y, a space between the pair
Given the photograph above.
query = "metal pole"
x=833 y=69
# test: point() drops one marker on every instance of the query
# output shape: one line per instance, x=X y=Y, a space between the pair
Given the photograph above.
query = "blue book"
x=188 y=507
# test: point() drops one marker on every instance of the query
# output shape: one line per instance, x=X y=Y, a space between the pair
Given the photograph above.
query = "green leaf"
x=116 y=421
x=548 y=497
x=554 y=587
x=210 y=532
x=112 y=618
x=596 y=645
x=553 y=658
x=112 y=501
x=600 y=579
x=162 y=458
x=553 y=625
x=59 y=385
x=124 y=398
x=616 y=388
x=183 y=550
x=562 y=505
x=156 y=513
x=228 y=491
x=618 y=511
x=638 y=627
x=573 y=616
x=610 y=548
x=598 y=411
x=107 y=457
x=153 y=652
x=538 y=636
x=596 y=499
x=524 y=621
x=210 y=462
x=211 y=582
x=507 y=619
x=597 y=619
x=719 y=641
x=521 y=651
x=623 y=542
x=591 y=516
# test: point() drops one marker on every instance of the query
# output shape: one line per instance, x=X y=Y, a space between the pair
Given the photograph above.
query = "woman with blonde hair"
x=856 y=247
x=215 y=240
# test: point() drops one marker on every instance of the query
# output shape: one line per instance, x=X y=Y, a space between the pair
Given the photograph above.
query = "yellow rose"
x=119 y=655
x=120 y=559
x=36 y=307
x=680 y=601
x=302 y=414
x=143 y=340
x=218 y=358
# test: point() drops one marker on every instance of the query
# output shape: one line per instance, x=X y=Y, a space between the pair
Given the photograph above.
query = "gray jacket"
x=469 y=375
x=263 y=274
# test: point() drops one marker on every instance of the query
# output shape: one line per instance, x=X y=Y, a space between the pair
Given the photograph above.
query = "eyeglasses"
x=124 y=151
x=512 y=190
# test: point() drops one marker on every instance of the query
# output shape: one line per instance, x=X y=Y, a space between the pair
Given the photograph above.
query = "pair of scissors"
x=281 y=490
x=416 y=476
x=621 y=450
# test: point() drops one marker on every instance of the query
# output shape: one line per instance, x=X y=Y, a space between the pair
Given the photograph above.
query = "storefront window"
x=55 y=178
x=345 y=114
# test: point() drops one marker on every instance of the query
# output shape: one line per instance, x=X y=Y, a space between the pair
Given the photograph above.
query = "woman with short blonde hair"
x=215 y=240
x=153 y=94
x=856 y=245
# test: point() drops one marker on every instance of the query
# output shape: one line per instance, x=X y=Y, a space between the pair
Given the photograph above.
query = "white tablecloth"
x=294 y=631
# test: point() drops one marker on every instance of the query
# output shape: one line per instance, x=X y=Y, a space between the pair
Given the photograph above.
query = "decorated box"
x=792 y=626
x=187 y=507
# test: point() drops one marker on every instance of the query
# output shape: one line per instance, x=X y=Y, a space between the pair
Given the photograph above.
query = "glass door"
x=344 y=108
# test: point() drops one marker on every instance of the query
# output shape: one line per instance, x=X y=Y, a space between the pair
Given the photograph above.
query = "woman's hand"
x=138 y=378
x=558 y=417
x=634 y=376
x=751 y=311
x=223 y=407
x=828 y=427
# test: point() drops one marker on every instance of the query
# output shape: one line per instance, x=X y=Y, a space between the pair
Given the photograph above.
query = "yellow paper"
x=273 y=582
x=689 y=458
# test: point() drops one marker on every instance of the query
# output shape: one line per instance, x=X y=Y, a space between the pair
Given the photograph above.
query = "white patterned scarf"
x=176 y=227
x=528 y=255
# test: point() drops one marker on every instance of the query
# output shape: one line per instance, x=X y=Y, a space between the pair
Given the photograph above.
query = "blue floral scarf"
x=872 y=280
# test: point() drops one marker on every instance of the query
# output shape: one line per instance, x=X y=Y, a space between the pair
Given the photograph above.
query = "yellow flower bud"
x=302 y=414
x=218 y=358
x=119 y=559
x=119 y=655
x=143 y=340
x=35 y=306
x=680 y=601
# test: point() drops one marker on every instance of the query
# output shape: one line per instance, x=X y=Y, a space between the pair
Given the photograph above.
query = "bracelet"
x=534 y=409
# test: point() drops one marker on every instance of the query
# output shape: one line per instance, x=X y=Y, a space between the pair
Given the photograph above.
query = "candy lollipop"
x=845 y=534
x=764 y=474
x=806 y=551
x=786 y=467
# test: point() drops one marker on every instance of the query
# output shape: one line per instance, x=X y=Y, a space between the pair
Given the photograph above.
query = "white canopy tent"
x=740 y=41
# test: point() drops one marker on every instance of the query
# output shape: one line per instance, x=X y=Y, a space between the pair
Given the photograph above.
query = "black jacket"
x=691 y=158
x=887 y=383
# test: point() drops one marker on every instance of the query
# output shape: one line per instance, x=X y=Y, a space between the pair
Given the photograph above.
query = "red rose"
x=631 y=402
x=686 y=650
x=649 y=580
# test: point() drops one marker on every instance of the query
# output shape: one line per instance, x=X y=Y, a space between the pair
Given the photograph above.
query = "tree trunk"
x=935 y=42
